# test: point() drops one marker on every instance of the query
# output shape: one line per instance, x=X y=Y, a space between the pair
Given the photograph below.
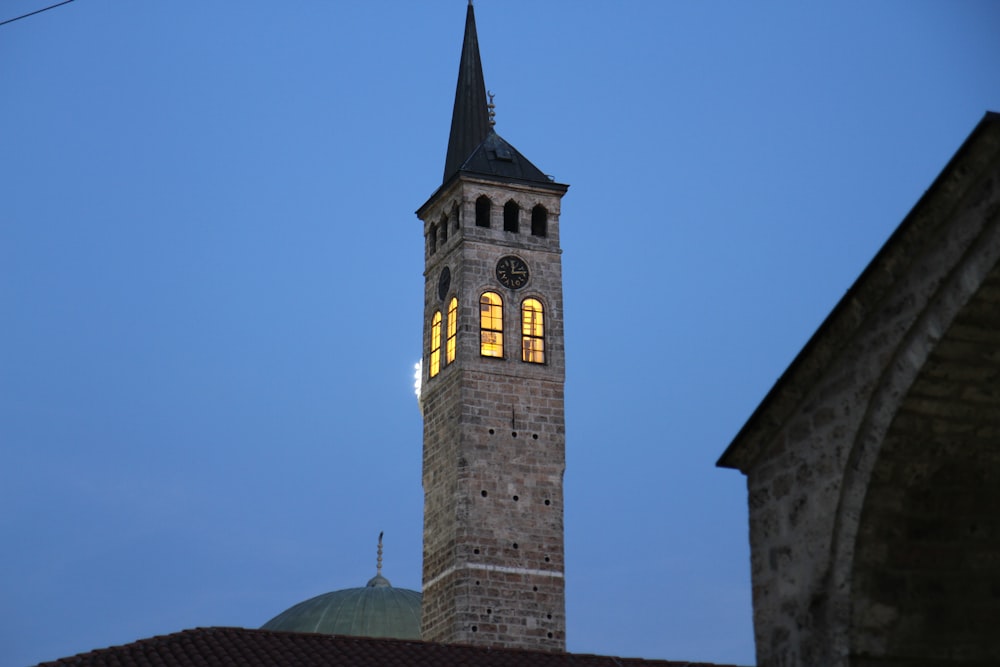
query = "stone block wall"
x=493 y=536
x=494 y=432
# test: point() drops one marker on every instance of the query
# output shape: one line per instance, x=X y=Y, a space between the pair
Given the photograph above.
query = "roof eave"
x=791 y=386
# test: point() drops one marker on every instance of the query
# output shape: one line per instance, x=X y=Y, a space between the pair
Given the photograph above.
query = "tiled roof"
x=238 y=647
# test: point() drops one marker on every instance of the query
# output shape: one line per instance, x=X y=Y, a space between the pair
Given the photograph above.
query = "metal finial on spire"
x=491 y=107
x=378 y=571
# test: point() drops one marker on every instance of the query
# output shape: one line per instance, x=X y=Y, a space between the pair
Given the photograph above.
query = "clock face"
x=512 y=272
x=444 y=283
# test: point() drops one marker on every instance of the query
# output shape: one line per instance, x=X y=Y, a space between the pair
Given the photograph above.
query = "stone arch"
x=829 y=454
x=854 y=613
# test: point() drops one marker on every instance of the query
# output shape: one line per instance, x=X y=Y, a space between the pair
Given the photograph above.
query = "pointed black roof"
x=496 y=158
x=473 y=146
x=470 y=120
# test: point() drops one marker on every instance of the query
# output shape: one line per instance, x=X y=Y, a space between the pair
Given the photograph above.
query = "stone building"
x=492 y=401
x=873 y=465
x=494 y=447
x=492 y=388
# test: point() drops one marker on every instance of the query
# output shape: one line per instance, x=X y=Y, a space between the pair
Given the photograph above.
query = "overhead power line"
x=37 y=11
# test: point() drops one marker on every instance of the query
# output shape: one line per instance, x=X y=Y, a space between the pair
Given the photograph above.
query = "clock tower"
x=492 y=388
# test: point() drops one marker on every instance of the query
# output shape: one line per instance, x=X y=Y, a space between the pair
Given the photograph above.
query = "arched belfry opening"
x=539 y=221
x=511 y=216
x=483 y=208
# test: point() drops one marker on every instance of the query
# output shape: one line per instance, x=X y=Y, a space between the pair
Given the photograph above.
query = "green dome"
x=377 y=610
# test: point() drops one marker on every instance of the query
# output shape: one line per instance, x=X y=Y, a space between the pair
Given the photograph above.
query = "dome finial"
x=378 y=581
x=378 y=567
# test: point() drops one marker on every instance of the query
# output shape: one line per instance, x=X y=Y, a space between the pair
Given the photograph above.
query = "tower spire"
x=470 y=121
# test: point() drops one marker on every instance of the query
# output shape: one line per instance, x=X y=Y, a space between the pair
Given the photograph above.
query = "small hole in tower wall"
x=516 y=499
x=492 y=431
x=548 y=616
x=548 y=502
x=475 y=551
x=534 y=436
x=484 y=493
x=513 y=434
x=534 y=588
x=547 y=559
x=514 y=545
x=490 y=611
x=476 y=629
x=550 y=635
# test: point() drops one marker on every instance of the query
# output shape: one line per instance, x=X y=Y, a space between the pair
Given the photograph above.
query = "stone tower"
x=492 y=388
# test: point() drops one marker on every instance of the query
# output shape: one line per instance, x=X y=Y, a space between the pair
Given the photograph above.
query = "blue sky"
x=211 y=284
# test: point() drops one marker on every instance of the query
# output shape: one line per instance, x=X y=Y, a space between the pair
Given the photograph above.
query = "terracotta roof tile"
x=219 y=647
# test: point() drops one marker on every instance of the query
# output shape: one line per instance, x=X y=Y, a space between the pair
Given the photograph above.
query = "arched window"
x=511 y=213
x=449 y=352
x=435 y=365
x=455 y=220
x=483 y=207
x=444 y=229
x=532 y=332
x=491 y=325
x=539 y=221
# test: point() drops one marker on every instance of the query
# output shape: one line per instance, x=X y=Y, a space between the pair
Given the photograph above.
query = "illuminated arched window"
x=491 y=325
x=532 y=332
x=449 y=353
x=435 y=366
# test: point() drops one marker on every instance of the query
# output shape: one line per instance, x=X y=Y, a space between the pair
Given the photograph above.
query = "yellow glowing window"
x=491 y=325
x=532 y=332
x=435 y=366
x=452 y=331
